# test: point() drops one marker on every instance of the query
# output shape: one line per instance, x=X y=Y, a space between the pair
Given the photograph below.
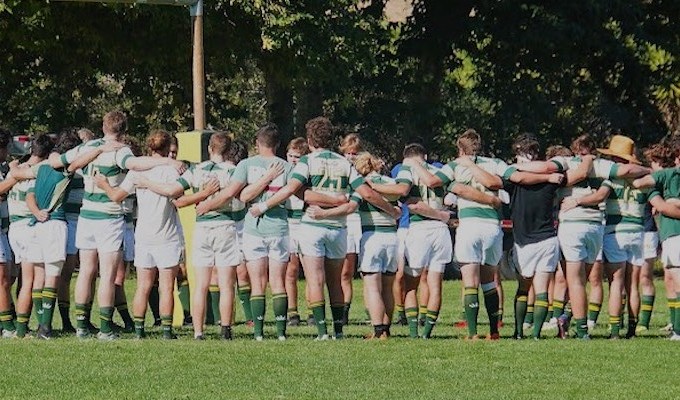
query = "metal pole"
x=197 y=66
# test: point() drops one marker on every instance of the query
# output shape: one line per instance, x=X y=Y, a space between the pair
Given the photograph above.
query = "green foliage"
x=426 y=71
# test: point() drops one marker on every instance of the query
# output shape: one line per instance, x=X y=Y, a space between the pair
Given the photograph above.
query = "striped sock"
x=139 y=327
x=594 y=311
x=49 y=299
x=646 y=308
x=471 y=302
x=22 y=324
x=615 y=325
x=166 y=326
x=319 y=310
x=540 y=312
x=81 y=319
x=430 y=321
x=244 y=299
x=7 y=320
x=520 y=312
x=412 y=317
x=491 y=301
x=558 y=308
x=36 y=296
x=106 y=318
x=280 y=306
x=258 y=307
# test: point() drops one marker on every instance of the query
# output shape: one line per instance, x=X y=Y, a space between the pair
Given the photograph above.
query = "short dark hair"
x=320 y=132
x=42 y=145
x=527 y=144
x=414 y=150
x=68 y=139
x=237 y=152
x=5 y=137
x=269 y=136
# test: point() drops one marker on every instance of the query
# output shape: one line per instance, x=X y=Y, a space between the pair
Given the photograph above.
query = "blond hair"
x=367 y=163
x=349 y=143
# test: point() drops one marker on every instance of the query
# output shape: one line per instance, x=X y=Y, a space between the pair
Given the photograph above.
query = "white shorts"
x=5 y=249
x=319 y=241
x=294 y=236
x=19 y=239
x=621 y=247
x=47 y=242
x=401 y=236
x=378 y=252
x=273 y=247
x=580 y=242
x=428 y=245
x=103 y=235
x=215 y=245
x=670 y=252
x=353 y=235
x=166 y=255
x=71 y=229
x=650 y=245
x=531 y=258
x=479 y=242
x=129 y=242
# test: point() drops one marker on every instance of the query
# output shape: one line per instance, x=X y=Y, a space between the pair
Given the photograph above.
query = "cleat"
x=188 y=321
x=372 y=336
x=321 y=338
x=168 y=336
x=421 y=322
x=294 y=320
x=591 y=325
x=517 y=336
x=93 y=329
x=527 y=325
x=402 y=321
x=311 y=321
x=259 y=338
x=199 y=337
x=83 y=333
x=641 y=328
x=667 y=328
x=140 y=336
x=44 y=333
x=226 y=333
x=493 y=337
x=563 y=327
x=9 y=334
x=68 y=329
x=585 y=337
x=614 y=337
x=674 y=337
x=107 y=337
x=282 y=338
x=338 y=336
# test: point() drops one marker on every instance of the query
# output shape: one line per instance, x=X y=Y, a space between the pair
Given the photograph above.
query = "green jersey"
x=50 y=190
x=668 y=186
x=274 y=222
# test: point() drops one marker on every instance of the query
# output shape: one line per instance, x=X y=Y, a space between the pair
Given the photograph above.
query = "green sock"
x=122 y=309
x=520 y=312
x=338 y=313
x=491 y=301
x=184 y=296
x=594 y=311
x=214 y=292
x=632 y=324
x=280 y=306
x=412 y=317
x=88 y=313
x=581 y=327
x=166 y=326
x=401 y=313
x=81 y=316
x=6 y=320
x=529 y=319
x=615 y=325
x=646 y=307
x=22 y=324
x=257 y=304
x=36 y=296
x=154 y=302
x=244 y=299
x=49 y=299
x=106 y=318
x=471 y=302
x=64 y=312
x=558 y=308
x=430 y=321
x=319 y=311
x=422 y=311
x=540 y=313
x=139 y=326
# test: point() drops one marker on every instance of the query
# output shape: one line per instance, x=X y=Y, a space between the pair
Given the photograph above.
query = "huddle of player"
x=259 y=219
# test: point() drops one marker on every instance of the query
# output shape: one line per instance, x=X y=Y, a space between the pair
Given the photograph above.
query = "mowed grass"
x=444 y=367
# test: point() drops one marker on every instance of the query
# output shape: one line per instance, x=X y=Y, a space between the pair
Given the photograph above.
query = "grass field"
x=444 y=367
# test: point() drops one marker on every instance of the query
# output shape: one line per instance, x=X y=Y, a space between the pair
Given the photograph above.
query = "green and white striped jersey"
x=330 y=173
x=625 y=207
x=16 y=198
x=602 y=169
x=455 y=173
x=96 y=204
x=197 y=175
x=419 y=190
x=373 y=218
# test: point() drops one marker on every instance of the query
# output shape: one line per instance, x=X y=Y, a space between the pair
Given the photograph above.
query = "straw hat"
x=622 y=147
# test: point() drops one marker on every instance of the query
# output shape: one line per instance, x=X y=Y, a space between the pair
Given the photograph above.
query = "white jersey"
x=157 y=221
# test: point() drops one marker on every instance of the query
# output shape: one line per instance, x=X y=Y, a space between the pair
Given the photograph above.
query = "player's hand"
x=496 y=203
x=569 y=203
x=100 y=180
x=179 y=166
x=203 y=208
x=13 y=164
x=275 y=169
x=556 y=178
x=444 y=216
x=110 y=146
x=42 y=215
x=396 y=212
x=316 y=212
x=256 y=210
x=211 y=186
